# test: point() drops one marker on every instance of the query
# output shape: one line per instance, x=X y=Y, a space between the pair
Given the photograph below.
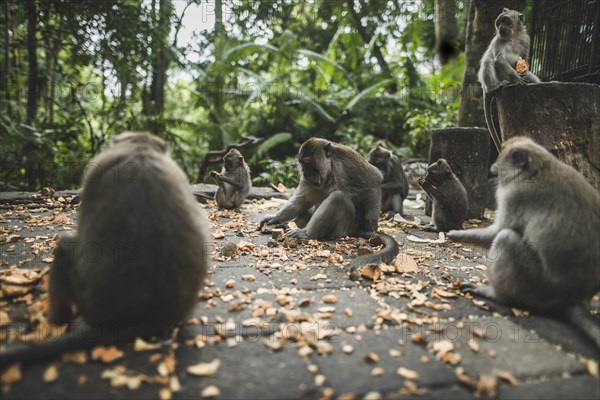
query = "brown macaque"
x=449 y=197
x=543 y=243
x=234 y=181
x=499 y=62
x=140 y=254
x=395 y=185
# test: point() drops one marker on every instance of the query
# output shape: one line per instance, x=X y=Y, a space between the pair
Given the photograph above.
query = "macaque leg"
x=303 y=219
x=334 y=218
x=515 y=266
x=60 y=291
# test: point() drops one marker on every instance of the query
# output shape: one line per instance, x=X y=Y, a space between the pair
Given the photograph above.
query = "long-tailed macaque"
x=544 y=239
x=449 y=197
x=234 y=181
x=394 y=188
x=498 y=64
x=139 y=257
x=339 y=195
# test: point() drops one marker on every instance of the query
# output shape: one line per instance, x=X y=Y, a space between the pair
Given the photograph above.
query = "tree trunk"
x=160 y=64
x=480 y=31
x=32 y=62
x=563 y=117
x=446 y=32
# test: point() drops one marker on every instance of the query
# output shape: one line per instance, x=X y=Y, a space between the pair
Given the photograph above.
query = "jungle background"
x=203 y=75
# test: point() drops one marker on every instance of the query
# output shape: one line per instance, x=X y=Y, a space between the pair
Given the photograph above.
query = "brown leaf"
x=11 y=375
x=371 y=358
x=279 y=188
x=370 y=271
x=50 y=374
x=204 y=369
x=444 y=294
x=210 y=391
x=405 y=263
x=106 y=354
x=408 y=374
x=329 y=298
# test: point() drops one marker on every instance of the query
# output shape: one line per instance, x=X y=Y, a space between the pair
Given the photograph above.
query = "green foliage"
x=283 y=71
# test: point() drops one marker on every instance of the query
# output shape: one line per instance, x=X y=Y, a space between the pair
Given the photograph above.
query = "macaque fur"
x=139 y=257
x=498 y=63
x=339 y=195
x=449 y=197
x=544 y=239
x=394 y=188
x=234 y=181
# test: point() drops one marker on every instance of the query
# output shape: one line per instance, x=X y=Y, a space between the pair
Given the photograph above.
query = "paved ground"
x=283 y=320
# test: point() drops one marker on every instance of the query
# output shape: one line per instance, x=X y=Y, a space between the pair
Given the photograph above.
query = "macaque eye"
x=305 y=160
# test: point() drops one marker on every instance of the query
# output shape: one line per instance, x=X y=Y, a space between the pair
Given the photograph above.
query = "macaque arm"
x=502 y=65
x=233 y=183
x=60 y=290
x=392 y=186
x=297 y=206
x=480 y=236
x=434 y=192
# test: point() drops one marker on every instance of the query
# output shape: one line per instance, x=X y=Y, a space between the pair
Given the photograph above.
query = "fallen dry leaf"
x=141 y=345
x=210 y=391
x=11 y=375
x=371 y=358
x=106 y=354
x=372 y=272
x=408 y=374
x=50 y=374
x=592 y=367
x=204 y=369
x=405 y=263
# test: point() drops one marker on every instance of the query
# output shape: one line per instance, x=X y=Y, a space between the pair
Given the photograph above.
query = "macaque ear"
x=522 y=18
x=328 y=148
x=505 y=9
x=390 y=154
x=241 y=158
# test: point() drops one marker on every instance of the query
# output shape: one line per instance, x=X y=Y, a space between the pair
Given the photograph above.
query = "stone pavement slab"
x=261 y=291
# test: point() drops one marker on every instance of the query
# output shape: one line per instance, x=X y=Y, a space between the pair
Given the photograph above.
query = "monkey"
x=449 y=197
x=339 y=195
x=395 y=184
x=139 y=256
x=498 y=63
x=234 y=181
x=544 y=236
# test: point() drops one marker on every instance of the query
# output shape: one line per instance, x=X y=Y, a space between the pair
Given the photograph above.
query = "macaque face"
x=314 y=161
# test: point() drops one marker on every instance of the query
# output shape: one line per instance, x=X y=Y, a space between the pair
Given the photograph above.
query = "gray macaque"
x=339 y=194
x=543 y=244
x=395 y=185
x=498 y=64
x=234 y=181
x=140 y=254
x=449 y=197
